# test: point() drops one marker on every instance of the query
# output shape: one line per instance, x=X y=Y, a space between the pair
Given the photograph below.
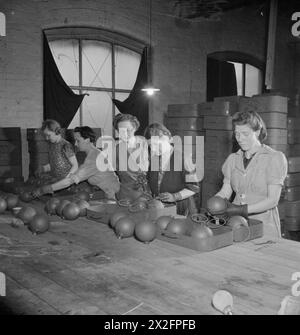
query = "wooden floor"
x=80 y=267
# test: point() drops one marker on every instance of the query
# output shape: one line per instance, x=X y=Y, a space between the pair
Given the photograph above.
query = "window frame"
x=102 y=35
x=242 y=58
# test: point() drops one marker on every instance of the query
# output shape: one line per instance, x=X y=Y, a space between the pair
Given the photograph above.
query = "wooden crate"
x=10 y=133
x=190 y=123
x=10 y=152
x=292 y=223
x=192 y=133
x=293 y=150
x=276 y=136
x=292 y=193
x=183 y=110
x=218 y=122
x=292 y=179
x=294 y=164
x=292 y=208
x=280 y=147
x=218 y=107
x=275 y=120
x=221 y=238
x=293 y=136
x=264 y=103
x=293 y=123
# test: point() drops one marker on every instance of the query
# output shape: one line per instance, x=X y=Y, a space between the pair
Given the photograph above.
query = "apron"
x=250 y=186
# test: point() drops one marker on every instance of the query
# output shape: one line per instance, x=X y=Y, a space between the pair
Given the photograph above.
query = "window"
x=103 y=69
x=248 y=79
x=233 y=73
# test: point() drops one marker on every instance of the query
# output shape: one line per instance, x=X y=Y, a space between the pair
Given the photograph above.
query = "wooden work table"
x=80 y=267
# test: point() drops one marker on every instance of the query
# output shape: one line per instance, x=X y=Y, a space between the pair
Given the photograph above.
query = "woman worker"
x=62 y=159
x=256 y=174
x=95 y=168
x=131 y=159
x=167 y=182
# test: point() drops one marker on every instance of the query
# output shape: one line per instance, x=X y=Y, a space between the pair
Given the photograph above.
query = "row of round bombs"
x=8 y=202
x=37 y=222
x=183 y=226
x=124 y=226
x=26 y=215
x=66 y=209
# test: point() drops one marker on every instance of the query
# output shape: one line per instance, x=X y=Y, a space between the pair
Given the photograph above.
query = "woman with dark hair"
x=168 y=181
x=95 y=168
x=62 y=158
x=256 y=174
x=131 y=158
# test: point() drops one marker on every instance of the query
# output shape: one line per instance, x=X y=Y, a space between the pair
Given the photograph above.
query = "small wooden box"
x=277 y=136
x=264 y=103
x=292 y=193
x=294 y=164
x=101 y=211
x=218 y=122
x=275 y=120
x=189 y=123
x=292 y=179
x=253 y=231
x=293 y=136
x=292 y=208
x=221 y=238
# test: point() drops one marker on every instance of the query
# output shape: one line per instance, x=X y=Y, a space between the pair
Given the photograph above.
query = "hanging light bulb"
x=150 y=88
x=222 y=301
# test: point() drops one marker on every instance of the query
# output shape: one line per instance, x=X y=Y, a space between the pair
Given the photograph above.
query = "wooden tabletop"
x=80 y=267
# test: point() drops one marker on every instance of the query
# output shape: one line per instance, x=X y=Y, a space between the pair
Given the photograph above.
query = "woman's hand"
x=169 y=197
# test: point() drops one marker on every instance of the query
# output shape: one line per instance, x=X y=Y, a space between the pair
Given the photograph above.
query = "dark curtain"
x=137 y=103
x=60 y=102
x=221 y=79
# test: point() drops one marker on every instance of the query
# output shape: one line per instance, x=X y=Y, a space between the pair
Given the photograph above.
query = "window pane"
x=239 y=77
x=121 y=96
x=97 y=111
x=127 y=63
x=65 y=53
x=76 y=119
x=253 y=81
x=96 y=64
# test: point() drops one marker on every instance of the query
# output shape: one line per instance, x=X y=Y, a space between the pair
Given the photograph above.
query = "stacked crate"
x=219 y=143
x=211 y=120
x=186 y=120
x=10 y=154
x=38 y=147
x=292 y=203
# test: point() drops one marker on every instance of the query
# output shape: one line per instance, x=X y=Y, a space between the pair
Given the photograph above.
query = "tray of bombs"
x=140 y=210
x=204 y=232
x=243 y=229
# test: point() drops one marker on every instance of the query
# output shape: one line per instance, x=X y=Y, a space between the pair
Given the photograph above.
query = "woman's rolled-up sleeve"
x=227 y=169
x=277 y=170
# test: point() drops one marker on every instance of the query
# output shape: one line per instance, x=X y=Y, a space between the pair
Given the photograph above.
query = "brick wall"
x=180 y=48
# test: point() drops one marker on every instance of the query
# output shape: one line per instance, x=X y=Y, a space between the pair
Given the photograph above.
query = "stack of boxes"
x=10 y=154
x=212 y=121
x=292 y=198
